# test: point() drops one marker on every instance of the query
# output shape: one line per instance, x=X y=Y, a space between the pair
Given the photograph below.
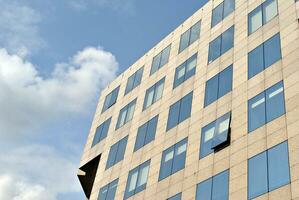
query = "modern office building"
x=210 y=113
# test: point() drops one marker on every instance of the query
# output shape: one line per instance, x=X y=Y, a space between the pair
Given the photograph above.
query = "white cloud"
x=29 y=101
x=36 y=172
x=19 y=28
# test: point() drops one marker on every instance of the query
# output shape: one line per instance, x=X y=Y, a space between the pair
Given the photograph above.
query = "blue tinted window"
x=146 y=133
x=221 y=44
x=227 y=40
x=268 y=170
x=225 y=81
x=220 y=186
x=275 y=102
x=256 y=112
x=173 y=159
x=160 y=59
x=204 y=190
x=188 y=37
x=215 y=188
x=278 y=162
x=217 y=14
x=173 y=115
x=154 y=93
x=137 y=179
x=117 y=152
x=255 y=61
x=264 y=56
x=126 y=114
x=179 y=111
x=257 y=175
x=266 y=106
x=134 y=80
x=211 y=92
x=222 y=10
x=185 y=108
x=110 y=99
x=272 y=50
x=214 y=49
x=214 y=134
x=108 y=192
x=176 y=197
x=218 y=86
x=101 y=132
x=229 y=7
x=261 y=15
x=185 y=70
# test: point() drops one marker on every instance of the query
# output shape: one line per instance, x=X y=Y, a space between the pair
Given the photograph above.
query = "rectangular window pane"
x=229 y=7
x=140 y=137
x=269 y=10
x=225 y=81
x=121 y=118
x=121 y=149
x=255 y=19
x=112 y=190
x=185 y=108
x=101 y=132
x=165 y=56
x=278 y=162
x=143 y=174
x=257 y=175
x=151 y=130
x=159 y=90
x=138 y=77
x=179 y=75
x=222 y=130
x=204 y=190
x=256 y=112
x=103 y=193
x=149 y=97
x=220 y=186
x=227 y=40
x=211 y=91
x=130 y=113
x=110 y=99
x=255 y=61
x=275 y=105
x=166 y=163
x=214 y=49
x=217 y=14
x=156 y=63
x=184 y=42
x=272 y=50
x=180 y=156
x=112 y=155
x=191 y=66
x=130 y=84
x=207 y=134
x=133 y=181
x=195 y=32
x=173 y=115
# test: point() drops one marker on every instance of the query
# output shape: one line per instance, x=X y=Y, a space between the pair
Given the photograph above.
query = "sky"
x=55 y=58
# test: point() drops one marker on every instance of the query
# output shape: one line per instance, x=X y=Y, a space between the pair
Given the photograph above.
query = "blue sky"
x=55 y=57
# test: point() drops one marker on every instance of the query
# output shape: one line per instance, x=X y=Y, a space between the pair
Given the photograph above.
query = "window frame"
x=135 y=82
x=154 y=89
x=216 y=93
x=174 y=159
x=222 y=13
x=160 y=56
x=109 y=185
x=138 y=170
x=219 y=45
x=177 y=81
x=126 y=109
x=97 y=139
x=267 y=166
x=261 y=7
x=178 y=104
x=189 y=38
x=107 y=105
x=113 y=156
